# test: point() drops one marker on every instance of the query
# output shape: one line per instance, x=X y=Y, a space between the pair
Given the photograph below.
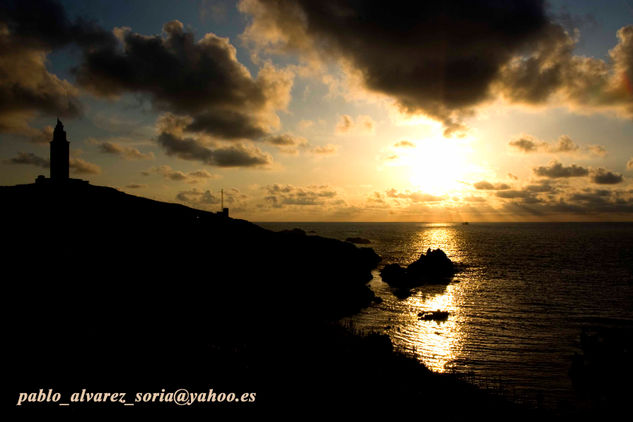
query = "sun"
x=439 y=166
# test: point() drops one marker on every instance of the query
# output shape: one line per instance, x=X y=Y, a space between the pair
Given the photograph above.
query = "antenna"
x=222 y=196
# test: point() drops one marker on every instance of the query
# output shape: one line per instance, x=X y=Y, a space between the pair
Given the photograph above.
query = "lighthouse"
x=59 y=154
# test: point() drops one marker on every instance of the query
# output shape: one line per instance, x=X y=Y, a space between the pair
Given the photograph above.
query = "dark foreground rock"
x=433 y=268
x=358 y=240
x=112 y=292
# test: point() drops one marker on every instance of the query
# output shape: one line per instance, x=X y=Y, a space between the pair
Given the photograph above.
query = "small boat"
x=433 y=315
x=465 y=223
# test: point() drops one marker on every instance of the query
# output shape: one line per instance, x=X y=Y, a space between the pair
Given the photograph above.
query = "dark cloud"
x=514 y=194
x=526 y=144
x=434 y=57
x=564 y=144
x=43 y=24
x=77 y=165
x=29 y=30
x=483 y=185
x=604 y=177
x=287 y=143
x=29 y=158
x=136 y=186
x=589 y=202
x=551 y=69
x=284 y=140
x=557 y=170
x=202 y=79
x=175 y=142
x=238 y=155
x=444 y=58
x=228 y=125
x=540 y=187
x=592 y=197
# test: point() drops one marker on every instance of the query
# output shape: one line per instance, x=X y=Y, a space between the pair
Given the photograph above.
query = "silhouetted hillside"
x=113 y=291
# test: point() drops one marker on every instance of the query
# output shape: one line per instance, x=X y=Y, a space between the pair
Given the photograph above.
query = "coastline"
x=126 y=291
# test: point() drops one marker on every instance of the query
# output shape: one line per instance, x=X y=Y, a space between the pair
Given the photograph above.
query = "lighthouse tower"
x=59 y=154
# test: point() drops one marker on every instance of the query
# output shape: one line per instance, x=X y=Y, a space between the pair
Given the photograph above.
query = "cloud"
x=203 y=174
x=430 y=57
x=565 y=145
x=80 y=166
x=328 y=149
x=483 y=185
x=77 y=165
x=125 y=152
x=240 y=156
x=604 y=177
x=544 y=186
x=443 y=59
x=557 y=170
x=29 y=31
x=305 y=124
x=287 y=143
x=136 y=186
x=172 y=139
x=279 y=196
x=514 y=194
x=404 y=144
x=30 y=159
x=473 y=198
x=592 y=196
x=179 y=176
x=201 y=79
x=629 y=164
x=363 y=125
x=551 y=71
x=587 y=202
x=198 y=197
x=413 y=196
x=527 y=144
x=598 y=150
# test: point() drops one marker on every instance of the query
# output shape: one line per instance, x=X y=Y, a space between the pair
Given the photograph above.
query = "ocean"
x=517 y=307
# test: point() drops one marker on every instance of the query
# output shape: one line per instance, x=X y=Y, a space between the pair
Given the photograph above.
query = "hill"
x=111 y=291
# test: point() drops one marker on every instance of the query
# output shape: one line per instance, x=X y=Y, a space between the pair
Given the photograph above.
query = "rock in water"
x=433 y=268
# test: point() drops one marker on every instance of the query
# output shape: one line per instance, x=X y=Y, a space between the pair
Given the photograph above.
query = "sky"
x=329 y=110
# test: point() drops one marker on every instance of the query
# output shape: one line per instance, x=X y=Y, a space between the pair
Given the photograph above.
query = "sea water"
x=523 y=295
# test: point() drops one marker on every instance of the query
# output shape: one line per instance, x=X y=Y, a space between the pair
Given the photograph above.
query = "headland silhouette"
x=114 y=291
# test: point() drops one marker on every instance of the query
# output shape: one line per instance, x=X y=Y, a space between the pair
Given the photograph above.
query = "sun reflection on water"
x=435 y=343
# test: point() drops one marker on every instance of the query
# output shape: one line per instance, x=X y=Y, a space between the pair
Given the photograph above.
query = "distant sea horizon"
x=525 y=294
x=436 y=222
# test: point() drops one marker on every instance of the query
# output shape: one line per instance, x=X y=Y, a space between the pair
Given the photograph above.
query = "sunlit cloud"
x=362 y=125
x=564 y=145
